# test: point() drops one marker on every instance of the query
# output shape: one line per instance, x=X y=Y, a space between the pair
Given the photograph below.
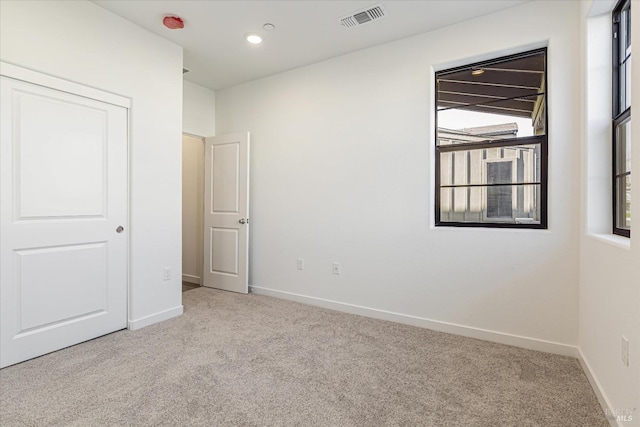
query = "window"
x=491 y=143
x=622 y=119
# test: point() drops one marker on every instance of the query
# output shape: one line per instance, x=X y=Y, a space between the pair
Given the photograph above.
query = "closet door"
x=63 y=216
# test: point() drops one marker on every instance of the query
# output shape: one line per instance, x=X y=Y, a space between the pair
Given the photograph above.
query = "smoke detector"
x=363 y=16
x=173 y=22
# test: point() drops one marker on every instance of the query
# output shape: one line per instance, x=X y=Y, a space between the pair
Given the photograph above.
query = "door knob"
x=120 y=229
x=242 y=221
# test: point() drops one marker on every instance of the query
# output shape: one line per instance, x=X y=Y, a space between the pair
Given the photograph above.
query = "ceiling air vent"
x=363 y=16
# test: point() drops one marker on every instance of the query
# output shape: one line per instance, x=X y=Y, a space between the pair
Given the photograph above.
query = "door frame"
x=41 y=79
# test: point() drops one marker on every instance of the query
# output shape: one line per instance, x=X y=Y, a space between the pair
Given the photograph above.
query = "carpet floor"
x=250 y=360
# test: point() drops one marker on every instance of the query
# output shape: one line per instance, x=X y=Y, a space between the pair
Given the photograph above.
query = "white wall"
x=82 y=42
x=341 y=170
x=192 y=208
x=610 y=265
x=198 y=110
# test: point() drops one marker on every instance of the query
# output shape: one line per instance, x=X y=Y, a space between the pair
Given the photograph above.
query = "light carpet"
x=249 y=360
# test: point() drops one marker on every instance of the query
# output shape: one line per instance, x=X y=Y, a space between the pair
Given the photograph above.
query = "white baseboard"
x=436 y=325
x=155 y=318
x=595 y=385
x=191 y=279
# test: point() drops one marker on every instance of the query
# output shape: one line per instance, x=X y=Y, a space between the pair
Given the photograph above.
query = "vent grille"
x=363 y=16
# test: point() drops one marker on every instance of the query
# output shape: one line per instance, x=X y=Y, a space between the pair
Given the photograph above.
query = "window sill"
x=612 y=239
x=469 y=229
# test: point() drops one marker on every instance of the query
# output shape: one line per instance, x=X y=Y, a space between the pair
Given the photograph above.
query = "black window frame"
x=619 y=117
x=542 y=140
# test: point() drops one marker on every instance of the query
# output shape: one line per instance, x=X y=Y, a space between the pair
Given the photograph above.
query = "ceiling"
x=306 y=32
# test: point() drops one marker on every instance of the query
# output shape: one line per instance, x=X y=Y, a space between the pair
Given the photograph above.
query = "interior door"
x=226 y=216
x=63 y=218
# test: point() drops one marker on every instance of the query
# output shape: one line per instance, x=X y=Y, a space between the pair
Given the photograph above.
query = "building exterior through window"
x=491 y=144
x=480 y=202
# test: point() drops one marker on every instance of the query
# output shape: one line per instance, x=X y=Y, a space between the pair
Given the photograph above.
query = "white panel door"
x=226 y=213
x=63 y=159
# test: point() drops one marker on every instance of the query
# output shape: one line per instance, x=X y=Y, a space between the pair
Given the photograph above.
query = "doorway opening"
x=215 y=246
x=192 y=211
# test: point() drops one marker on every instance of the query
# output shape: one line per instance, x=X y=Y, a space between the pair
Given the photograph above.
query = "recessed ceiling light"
x=269 y=27
x=253 y=38
x=477 y=72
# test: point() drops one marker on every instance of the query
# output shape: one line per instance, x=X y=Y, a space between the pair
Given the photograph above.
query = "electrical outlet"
x=624 y=351
x=336 y=268
x=300 y=264
x=166 y=273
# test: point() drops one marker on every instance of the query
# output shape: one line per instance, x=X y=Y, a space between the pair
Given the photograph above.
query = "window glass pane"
x=623 y=147
x=497 y=100
x=623 y=202
x=628 y=35
x=623 y=39
x=627 y=85
x=622 y=87
x=512 y=204
x=626 y=30
x=474 y=167
x=486 y=121
x=622 y=69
